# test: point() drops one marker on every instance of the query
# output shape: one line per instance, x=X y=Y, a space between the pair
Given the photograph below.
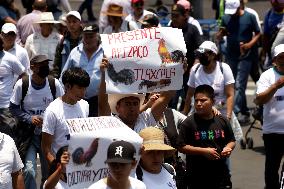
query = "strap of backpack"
x=170 y=130
x=25 y=87
x=197 y=67
x=139 y=173
x=51 y=82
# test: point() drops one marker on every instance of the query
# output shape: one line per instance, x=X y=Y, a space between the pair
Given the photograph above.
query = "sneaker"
x=244 y=119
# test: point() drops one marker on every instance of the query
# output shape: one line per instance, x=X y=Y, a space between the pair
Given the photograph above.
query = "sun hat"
x=153 y=139
x=120 y=152
x=184 y=3
x=114 y=10
x=231 y=6
x=114 y=98
x=39 y=59
x=208 y=45
x=9 y=27
x=278 y=50
x=47 y=18
x=76 y=14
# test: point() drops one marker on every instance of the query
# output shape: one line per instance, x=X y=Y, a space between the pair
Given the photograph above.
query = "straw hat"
x=47 y=18
x=153 y=139
x=114 y=98
x=114 y=10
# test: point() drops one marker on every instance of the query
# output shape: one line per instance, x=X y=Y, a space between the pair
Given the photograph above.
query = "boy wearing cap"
x=150 y=169
x=242 y=33
x=88 y=56
x=29 y=108
x=121 y=160
x=70 y=40
x=269 y=93
x=45 y=41
x=9 y=33
x=207 y=140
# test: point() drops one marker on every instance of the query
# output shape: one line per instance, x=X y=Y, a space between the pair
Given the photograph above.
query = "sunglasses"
x=9 y=34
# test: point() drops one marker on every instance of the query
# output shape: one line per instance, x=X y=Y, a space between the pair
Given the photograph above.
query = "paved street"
x=247 y=165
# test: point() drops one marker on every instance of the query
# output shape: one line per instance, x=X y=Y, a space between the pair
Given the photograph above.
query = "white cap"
x=231 y=6
x=74 y=13
x=9 y=27
x=278 y=49
x=208 y=45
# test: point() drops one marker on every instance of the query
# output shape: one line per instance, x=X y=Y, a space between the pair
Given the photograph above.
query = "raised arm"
x=104 y=109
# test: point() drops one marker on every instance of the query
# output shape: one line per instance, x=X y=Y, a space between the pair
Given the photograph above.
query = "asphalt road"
x=247 y=165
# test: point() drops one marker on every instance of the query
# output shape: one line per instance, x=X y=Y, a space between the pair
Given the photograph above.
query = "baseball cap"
x=94 y=28
x=9 y=27
x=184 y=3
x=150 y=19
x=178 y=9
x=39 y=59
x=75 y=14
x=137 y=1
x=207 y=45
x=231 y=6
x=278 y=50
x=120 y=152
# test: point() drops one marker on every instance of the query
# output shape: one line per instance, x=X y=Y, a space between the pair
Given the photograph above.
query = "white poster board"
x=89 y=141
x=144 y=60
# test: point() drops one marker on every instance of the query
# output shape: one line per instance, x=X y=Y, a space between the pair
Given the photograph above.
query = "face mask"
x=43 y=71
x=203 y=59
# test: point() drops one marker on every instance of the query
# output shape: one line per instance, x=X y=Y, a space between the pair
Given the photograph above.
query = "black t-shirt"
x=214 y=133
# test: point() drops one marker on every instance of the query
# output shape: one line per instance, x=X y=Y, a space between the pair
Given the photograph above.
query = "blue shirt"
x=271 y=20
x=240 y=29
x=78 y=58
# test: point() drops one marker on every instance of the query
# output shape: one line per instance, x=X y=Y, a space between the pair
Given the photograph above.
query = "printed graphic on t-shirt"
x=209 y=135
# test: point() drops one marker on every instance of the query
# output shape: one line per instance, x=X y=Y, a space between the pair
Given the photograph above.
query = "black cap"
x=120 y=152
x=94 y=28
x=178 y=9
x=150 y=19
x=39 y=59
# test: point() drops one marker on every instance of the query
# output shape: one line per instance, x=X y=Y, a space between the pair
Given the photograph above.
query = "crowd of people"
x=53 y=68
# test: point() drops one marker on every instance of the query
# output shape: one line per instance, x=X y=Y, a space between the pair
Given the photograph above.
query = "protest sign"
x=144 y=60
x=89 y=141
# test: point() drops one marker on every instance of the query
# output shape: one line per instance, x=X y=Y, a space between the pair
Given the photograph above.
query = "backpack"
x=168 y=167
x=23 y=131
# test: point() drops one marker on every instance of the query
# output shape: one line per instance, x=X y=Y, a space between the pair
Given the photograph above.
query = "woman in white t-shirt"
x=214 y=73
x=57 y=178
x=121 y=161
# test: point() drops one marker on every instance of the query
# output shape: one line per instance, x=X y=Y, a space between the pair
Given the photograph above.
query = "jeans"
x=274 y=152
x=87 y=4
x=241 y=70
x=31 y=165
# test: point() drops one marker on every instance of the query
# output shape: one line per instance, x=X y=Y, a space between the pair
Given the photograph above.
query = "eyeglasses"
x=9 y=34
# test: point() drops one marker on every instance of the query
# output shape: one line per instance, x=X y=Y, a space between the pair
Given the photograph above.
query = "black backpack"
x=23 y=131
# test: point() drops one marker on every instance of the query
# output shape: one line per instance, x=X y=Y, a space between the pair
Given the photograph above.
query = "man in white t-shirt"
x=151 y=169
x=71 y=105
x=120 y=160
x=9 y=67
x=28 y=108
x=269 y=93
x=10 y=164
x=126 y=107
